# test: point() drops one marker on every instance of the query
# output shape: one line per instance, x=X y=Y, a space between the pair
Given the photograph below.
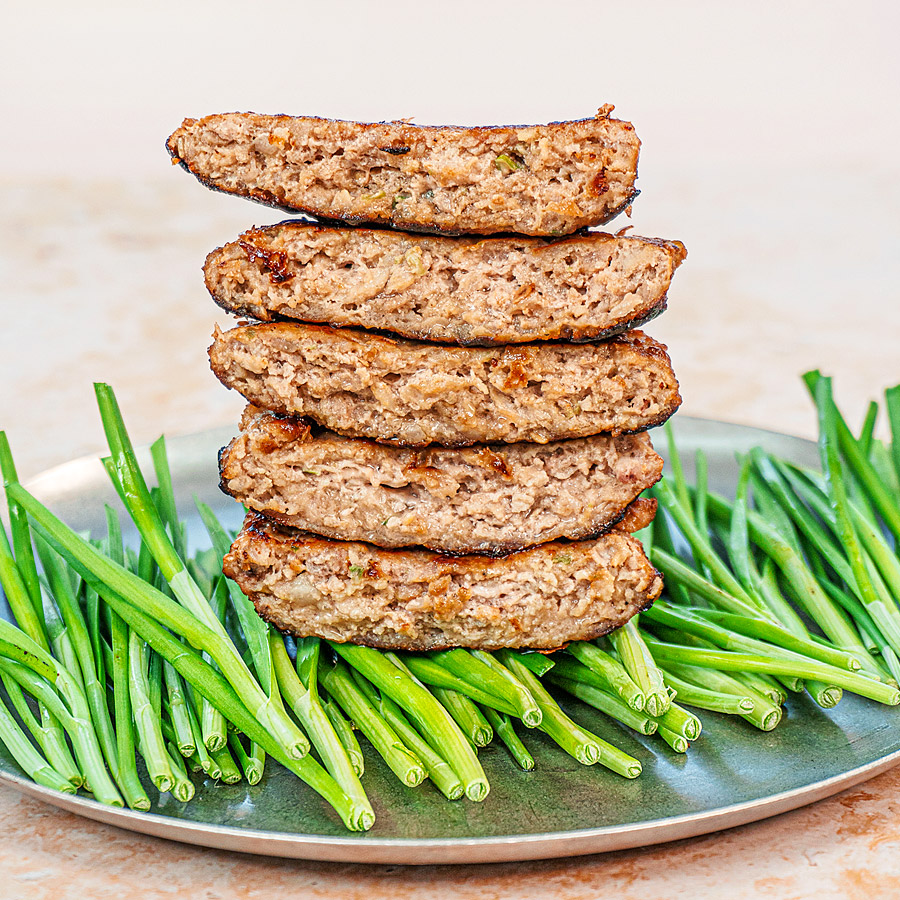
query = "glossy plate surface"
x=732 y=775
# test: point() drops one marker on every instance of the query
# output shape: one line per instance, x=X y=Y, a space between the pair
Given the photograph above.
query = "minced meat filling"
x=415 y=394
x=541 y=598
x=467 y=500
x=483 y=292
x=539 y=180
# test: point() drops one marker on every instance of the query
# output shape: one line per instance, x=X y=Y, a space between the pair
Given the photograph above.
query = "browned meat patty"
x=467 y=500
x=411 y=393
x=418 y=600
x=485 y=292
x=535 y=179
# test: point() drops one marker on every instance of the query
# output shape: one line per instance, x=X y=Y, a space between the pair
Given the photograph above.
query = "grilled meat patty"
x=465 y=500
x=417 y=600
x=537 y=179
x=410 y=393
x=471 y=291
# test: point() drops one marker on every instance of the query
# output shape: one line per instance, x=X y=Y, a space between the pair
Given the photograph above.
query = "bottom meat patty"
x=348 y=591
x=456 y=500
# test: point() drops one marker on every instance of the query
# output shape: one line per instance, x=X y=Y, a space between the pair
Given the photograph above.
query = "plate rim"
x=493 y=849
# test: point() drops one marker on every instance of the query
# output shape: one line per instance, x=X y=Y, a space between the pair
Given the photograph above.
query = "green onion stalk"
x=612 y=674
x=207 y=764
x=344 y=730
x=24 y=753
x=19 y=647
x=607 y=703
x=212 y=722
x=639 y=664
x=107 y=577
x=587 y=748
x=20 y=583
x=231 y=774
x=434 y=674
x=467 y=715
x=883 y=610
x=130 y=783
x=829 y=616
x=151 y=743
x=461 y=707
x=762 y=714
x=135 y=494
x=441 y=773
x=400 y=759
x=750 y=662
x=150 y=612
x=503 y=728
x=250 y=766
x=702 y=698
x=253 y=629
x=479 y=669
x=76 y=628
x=833 y=427
x=429 y=717
x=50 y=738
x=304 y=701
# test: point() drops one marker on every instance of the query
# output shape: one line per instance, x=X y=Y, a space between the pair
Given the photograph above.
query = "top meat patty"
x=458 y=290
x=411 y=393
x=537 y=179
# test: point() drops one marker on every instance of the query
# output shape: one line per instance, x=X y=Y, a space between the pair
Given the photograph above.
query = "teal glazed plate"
x=732 y=775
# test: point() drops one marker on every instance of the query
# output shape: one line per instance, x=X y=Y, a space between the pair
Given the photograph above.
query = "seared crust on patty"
x=535 y=179
x=413 y=394
x=353 y=592
x=484 y=499
x=471 y=291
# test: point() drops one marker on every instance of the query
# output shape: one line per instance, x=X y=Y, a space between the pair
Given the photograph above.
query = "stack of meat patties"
x=445 y=441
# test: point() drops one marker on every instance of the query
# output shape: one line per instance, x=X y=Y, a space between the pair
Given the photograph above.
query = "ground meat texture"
x=465 y=500
x=418 y=600
x=410 y=393
x=472 y=291
x=536 y=179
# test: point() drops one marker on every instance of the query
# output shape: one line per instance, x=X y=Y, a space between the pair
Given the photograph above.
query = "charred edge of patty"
x=663 y=417
x=602 y=114
x=381 y=643
x=565 y=333
x=675 y=248
x=256 y=524
x=492 y=551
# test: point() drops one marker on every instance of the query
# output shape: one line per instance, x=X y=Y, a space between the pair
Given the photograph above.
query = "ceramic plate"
x=732 y=775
